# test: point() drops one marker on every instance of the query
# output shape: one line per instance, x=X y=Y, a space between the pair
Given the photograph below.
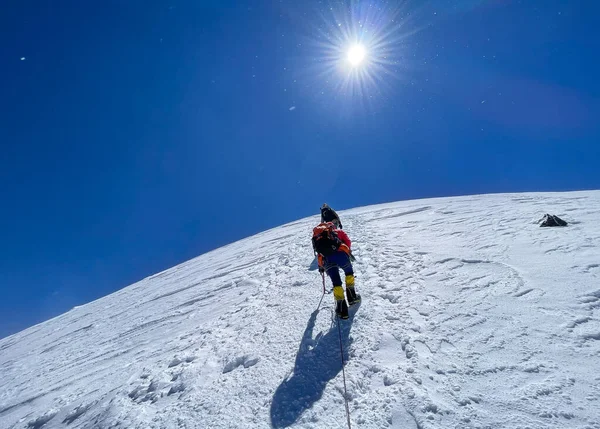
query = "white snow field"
x=472 y=317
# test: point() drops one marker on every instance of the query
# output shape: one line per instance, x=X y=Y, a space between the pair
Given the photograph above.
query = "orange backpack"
x=325 y=241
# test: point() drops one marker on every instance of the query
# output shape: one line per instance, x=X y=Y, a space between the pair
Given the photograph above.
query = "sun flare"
x=356 y=55
x=358 y=50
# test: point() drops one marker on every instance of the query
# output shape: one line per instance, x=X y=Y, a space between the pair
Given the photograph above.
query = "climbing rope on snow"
x=319 y=306
x=344 y=376
x=341 y=355
x=322 y=296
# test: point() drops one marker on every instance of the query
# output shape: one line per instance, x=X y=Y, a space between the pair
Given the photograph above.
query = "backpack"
x=325 y=241
x=327 y=215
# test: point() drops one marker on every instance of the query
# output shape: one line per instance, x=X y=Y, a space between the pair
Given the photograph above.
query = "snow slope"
x=472 y=317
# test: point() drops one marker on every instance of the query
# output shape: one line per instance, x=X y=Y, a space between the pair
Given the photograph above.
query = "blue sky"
x=136 y=135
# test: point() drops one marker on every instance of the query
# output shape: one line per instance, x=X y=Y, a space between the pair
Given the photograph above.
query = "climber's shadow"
x=317 y=362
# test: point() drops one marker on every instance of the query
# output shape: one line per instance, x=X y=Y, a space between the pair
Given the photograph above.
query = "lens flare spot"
x=356 y=55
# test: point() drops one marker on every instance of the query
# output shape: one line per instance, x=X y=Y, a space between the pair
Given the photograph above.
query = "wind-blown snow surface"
x=472 y=317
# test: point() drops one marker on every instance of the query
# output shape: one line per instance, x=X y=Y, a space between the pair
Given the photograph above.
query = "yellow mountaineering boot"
x=353 y=297
x=341 y=307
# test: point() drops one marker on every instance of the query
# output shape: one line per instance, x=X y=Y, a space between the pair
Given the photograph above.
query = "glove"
x=321 y=270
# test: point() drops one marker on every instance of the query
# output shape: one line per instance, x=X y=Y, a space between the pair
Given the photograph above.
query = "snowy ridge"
x=472 y=317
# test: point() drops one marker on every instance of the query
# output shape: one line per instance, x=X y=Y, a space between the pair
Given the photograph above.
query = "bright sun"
x=356 y=55
x=359 y=49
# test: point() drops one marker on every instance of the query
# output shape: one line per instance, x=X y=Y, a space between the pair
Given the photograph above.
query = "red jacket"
x=344 y=237
x=345 y=247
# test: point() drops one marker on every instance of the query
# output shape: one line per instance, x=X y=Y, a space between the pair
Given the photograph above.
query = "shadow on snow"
x=317 y=362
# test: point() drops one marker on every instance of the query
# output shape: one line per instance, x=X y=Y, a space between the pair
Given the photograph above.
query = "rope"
x=341 y=355
x=344 y=376
x=322 y=296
